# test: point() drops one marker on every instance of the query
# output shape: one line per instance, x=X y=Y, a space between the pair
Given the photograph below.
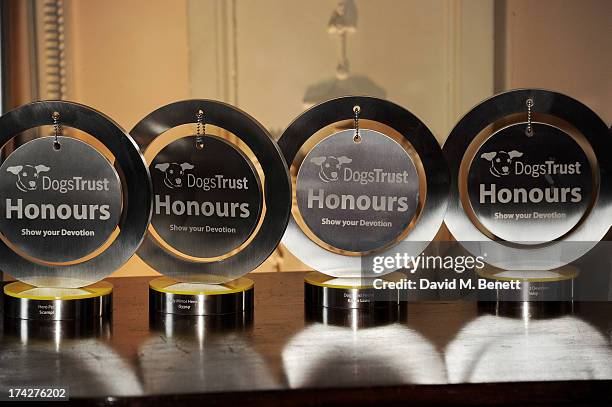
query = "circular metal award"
x=71 y=213
x=221 y=202
x=528 y=189
x=55 y=211
x=207 y=202
x=530 y=197
x=371 y=188
x=370 y=180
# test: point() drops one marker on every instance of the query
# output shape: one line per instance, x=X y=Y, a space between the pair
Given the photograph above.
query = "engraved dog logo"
x=27 y=176
x=329 y=167
x=174 y=174
x=501 y=161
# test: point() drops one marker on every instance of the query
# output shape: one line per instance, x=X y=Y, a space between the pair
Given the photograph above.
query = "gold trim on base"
x=172 y=286
x=26 y=291
x=323 y=280
x=535 y=276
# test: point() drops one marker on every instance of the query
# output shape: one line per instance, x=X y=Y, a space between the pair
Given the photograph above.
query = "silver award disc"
x=357 y=197
x=58 y=205
x=530 y=190
x=206 y=202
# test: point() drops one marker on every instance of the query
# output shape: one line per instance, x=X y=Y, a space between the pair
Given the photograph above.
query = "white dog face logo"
x=27 y=176
x=174 y=174
x=330 y=167
x=501 y=161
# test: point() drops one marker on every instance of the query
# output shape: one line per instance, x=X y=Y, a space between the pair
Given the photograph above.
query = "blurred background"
x=275 y=58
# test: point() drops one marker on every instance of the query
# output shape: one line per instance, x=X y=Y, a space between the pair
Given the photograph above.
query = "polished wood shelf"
x=430 y=353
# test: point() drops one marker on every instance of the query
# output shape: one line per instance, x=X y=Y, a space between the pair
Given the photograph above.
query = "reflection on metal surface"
x=528 y=309
x=65 y=354
x=356 y=318
x=197 y=326
x=204 y=354
x=384 y=355
x=497 y=349
x=56 y=331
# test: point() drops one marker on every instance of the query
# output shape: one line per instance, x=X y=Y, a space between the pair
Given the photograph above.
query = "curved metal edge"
x=548 y=102
x=413 y=130
x=137 y=202
x=277 y=187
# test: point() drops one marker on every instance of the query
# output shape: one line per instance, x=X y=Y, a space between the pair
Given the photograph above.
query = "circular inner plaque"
x=58 y=205
x=206 y=202
x=357 y=197
x=530 y=190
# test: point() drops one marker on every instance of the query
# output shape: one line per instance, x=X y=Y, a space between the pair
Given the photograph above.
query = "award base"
x=24 y=301
x=321 y=290
x=355 y=317
x=170 y=296
x=545 y=285
x=195 y=326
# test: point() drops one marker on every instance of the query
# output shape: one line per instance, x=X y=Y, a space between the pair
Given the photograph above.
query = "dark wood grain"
x=432 y=353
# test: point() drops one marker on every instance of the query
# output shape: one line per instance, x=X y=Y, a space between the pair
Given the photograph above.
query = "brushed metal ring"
x=426 y=147
x=135 y=180
x=277 y=188
x=557 y=253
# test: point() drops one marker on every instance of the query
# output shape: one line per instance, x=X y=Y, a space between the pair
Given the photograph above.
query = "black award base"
x=170 y=296
x=533 y=286
x=321 y=290
x=24 y=301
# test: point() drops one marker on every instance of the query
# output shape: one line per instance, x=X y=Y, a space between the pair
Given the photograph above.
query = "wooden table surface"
x=431 y=353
